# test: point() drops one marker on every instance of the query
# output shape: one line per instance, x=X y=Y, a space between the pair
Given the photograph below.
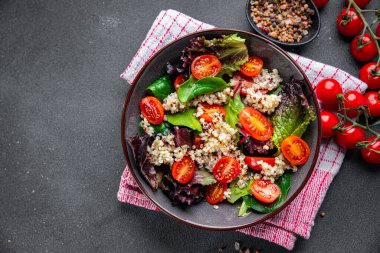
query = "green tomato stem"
x=367 y=26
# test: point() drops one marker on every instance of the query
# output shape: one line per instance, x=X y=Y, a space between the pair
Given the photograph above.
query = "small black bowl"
x=313 y=32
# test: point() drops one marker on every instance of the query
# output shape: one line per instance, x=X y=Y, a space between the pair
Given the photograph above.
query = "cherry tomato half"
x=329 y=120
x=215 y=192
x=178 y=81
x=363 y=48
x=349 y=136
x=370 y=75
x=256 y=124
x=295 y=150
x=349 y=23
x=252 y=67
x=373 y=102
x=369 y=154
x=251 y=162
x=353 y=99
x=205 y=65
x=361 y=3
x=152 y=109
x=183 y=170
x=320 y=3
x=226 y=169
x=209 y=110
x=327 y=91
x=265 y=191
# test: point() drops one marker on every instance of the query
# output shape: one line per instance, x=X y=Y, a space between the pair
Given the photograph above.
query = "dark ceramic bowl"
x=204 y=215
x=313 y=32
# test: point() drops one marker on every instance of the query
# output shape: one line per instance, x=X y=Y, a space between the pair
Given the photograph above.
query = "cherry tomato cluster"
x=364 y=46
x=350 y=105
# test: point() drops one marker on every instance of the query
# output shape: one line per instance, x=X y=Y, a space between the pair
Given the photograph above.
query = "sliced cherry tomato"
x=251 y=162
x=353 y=99
x=361 y=3
x=226 y=169
x=152 y=109
x=349 y=136
x=370 y=75
x=265 y=191
x=215 y=192
x=373 y=102
x=256 y=124
x=183 y=170
x=295 y=150
x=329 y=120
x=349 y=23
x=363 y=48
x=327 y=91
x=372 y=153
x=209 y=111
x=178 y=81
x=205 y=65
x=252 y=67
x=198 y=142
x=243 y=81
x=320 y=3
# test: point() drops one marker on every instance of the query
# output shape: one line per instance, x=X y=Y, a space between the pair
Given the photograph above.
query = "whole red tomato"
x=327 y=90
x=370 y=75
x=328 y=120
x=353 y=99
x=361 y=3
x=378 y=30
x=349 y=23
x=320 y=3
x=373 y=102
x=363 y=48
x=369 y=154
x=349 y=136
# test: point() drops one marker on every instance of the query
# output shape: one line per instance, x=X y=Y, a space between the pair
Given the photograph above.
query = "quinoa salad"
x=221 y=126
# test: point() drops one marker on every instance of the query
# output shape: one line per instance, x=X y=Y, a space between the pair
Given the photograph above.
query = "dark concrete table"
x=61 y=158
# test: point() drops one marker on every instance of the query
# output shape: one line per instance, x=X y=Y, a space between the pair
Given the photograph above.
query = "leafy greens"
x=186 y=119
x=284 y=182
x=293 y=115
x=233 y=108
x=161 y=88
x=193 y=87
x=230 y=49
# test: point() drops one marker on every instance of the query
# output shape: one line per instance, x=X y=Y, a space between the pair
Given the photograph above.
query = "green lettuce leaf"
x=161 y=88
x=233 y=108
x=293 y=115
x=193 y=87
x=237 y=193
x=202 y=177
x=284 y=182
x=230 y=50
x=186 y=119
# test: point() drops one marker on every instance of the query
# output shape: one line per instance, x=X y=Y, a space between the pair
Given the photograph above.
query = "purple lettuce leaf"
x=254 y=147
x=181 y=195
x=183 y=136
x=139 y=145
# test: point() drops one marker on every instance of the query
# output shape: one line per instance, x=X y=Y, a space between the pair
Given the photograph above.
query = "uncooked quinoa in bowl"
x=222 y=126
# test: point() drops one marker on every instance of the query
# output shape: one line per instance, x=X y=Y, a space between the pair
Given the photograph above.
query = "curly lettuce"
x=230 y=50
x=293 y=115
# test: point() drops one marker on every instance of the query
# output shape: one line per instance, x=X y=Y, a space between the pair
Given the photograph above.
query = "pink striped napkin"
x=295 y=220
